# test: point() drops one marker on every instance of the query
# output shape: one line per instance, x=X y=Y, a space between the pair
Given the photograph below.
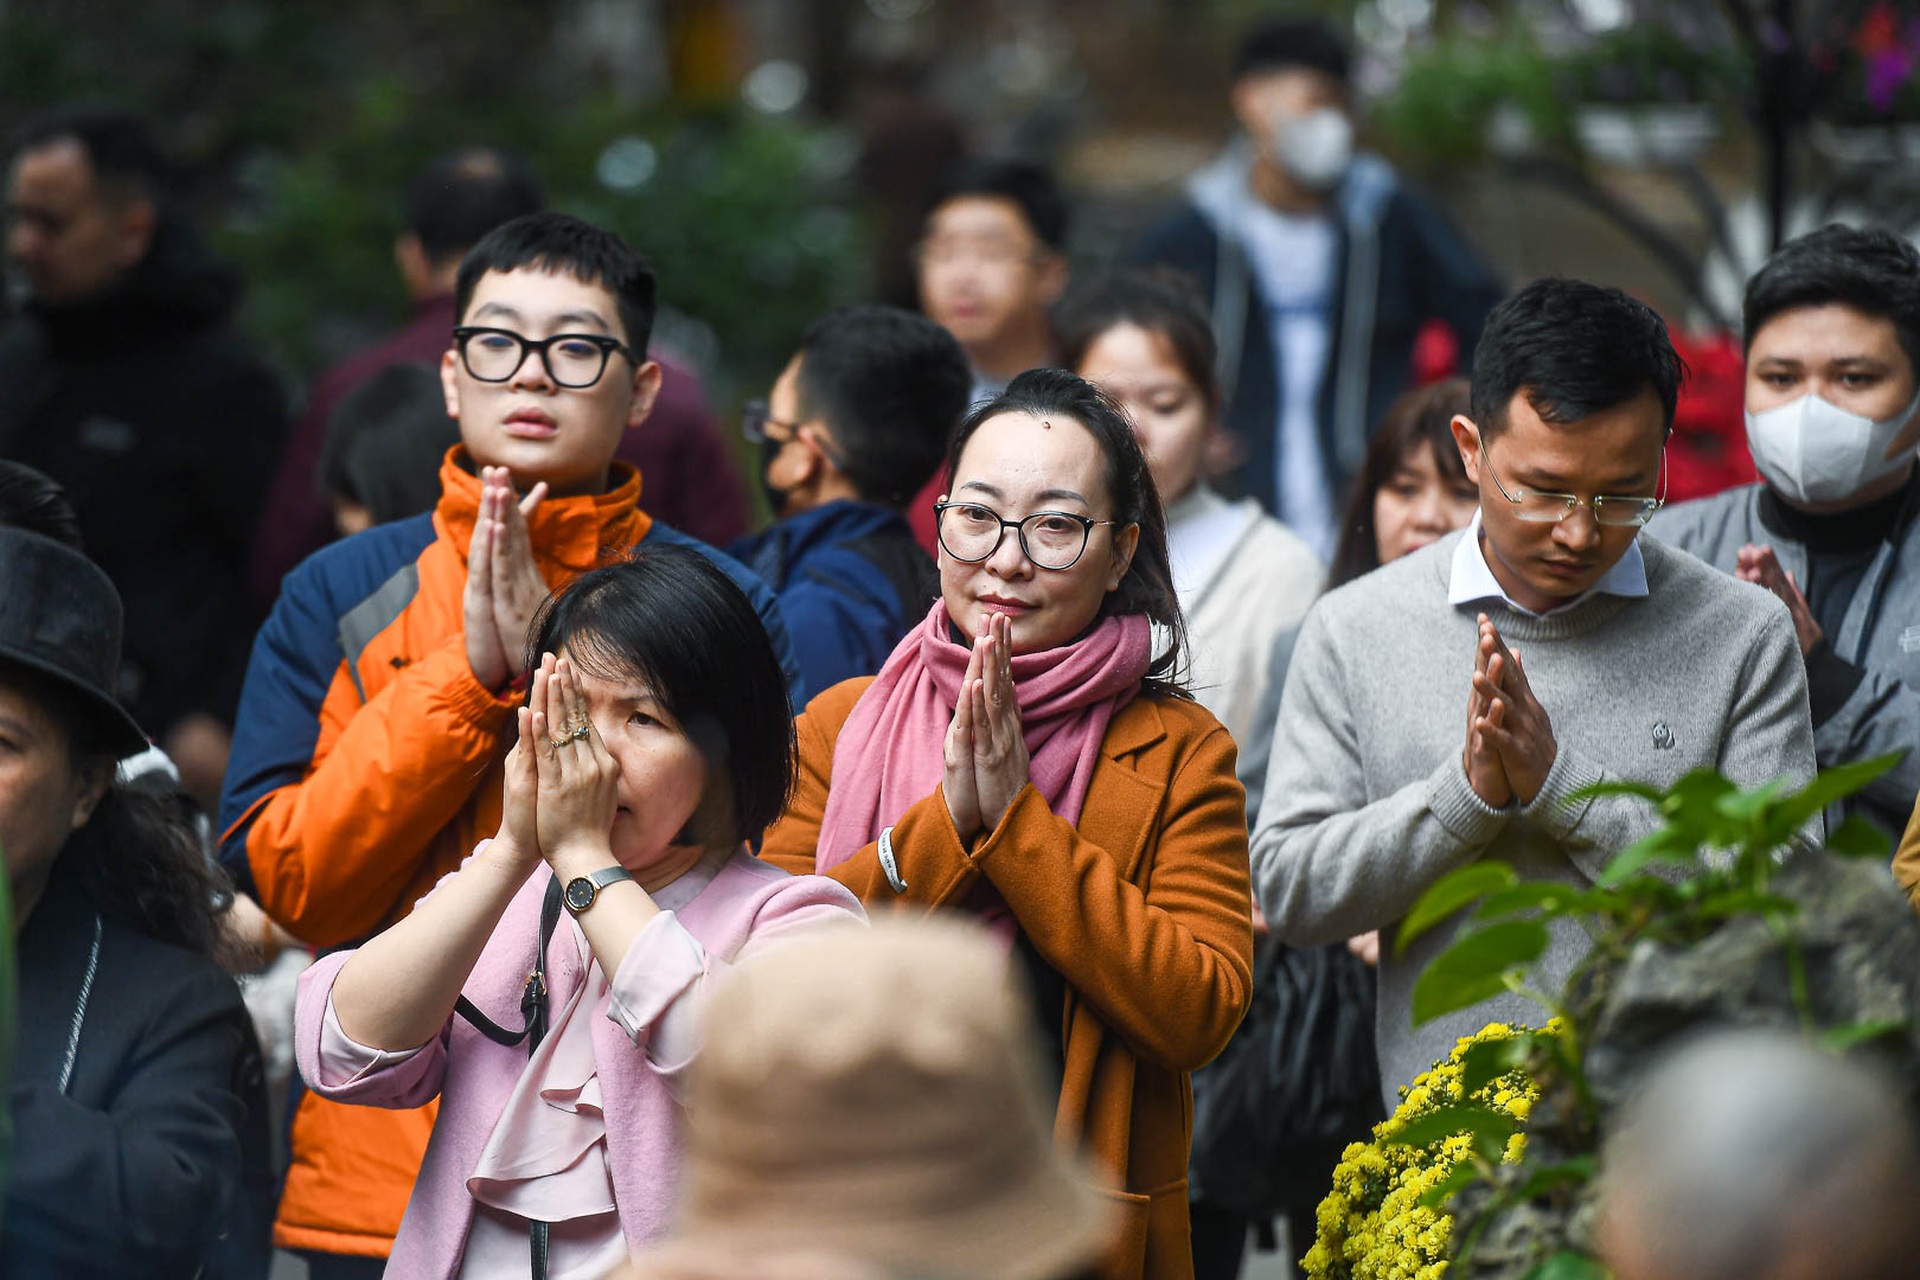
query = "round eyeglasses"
x=971 y=533
x=573 y=360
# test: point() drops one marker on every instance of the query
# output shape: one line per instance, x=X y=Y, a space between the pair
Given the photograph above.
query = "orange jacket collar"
x=569 y=534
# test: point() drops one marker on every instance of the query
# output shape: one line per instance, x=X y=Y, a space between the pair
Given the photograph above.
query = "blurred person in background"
x=870 y=1104
x=385 y=443
x=856 y=424
x=454 y=200
x=123 y=381
x=1027 y=758
x=1832 y=325
x=1323 y=267
x=654 y=747
x=379 y=703
x=1243 y=578
x=1412 y=489
x=993 y=261
x=139 y=1117
x=1751 y=1155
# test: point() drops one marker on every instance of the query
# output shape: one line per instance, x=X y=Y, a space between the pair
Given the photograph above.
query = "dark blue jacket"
x=1401 y=264
x=851 y=582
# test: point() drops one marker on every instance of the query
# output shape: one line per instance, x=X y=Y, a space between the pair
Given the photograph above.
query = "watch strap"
x=595 y=882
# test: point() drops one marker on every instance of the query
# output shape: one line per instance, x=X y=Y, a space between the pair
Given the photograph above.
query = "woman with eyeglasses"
x=1024 y=758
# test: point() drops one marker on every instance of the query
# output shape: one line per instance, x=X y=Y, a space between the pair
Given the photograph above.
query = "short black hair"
x=1576 y=349
x=559 y=242
x=1865 y=268
x=385 y=440
x=122 y=148
x=890 y=386
x=1148 y=585
x=1028 y=185
x=33 y=501
x=672 y=618
x=1161 y=300
x=461 y=195
x=1279 y=43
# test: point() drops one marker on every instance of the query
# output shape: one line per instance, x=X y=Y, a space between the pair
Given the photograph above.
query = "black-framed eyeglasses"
x=972 y=532
x=573 y=360
x=1617 y=511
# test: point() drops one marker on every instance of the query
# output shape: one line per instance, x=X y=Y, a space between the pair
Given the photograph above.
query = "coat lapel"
x=1122 y=807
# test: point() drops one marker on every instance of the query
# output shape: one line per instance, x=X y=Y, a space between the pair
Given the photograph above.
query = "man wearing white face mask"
x=1832 y=327
x=1321 y=267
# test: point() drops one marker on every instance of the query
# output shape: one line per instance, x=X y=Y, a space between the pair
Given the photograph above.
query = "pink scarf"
x=890 y=751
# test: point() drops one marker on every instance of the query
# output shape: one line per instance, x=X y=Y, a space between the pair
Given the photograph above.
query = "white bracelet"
x=888 y=865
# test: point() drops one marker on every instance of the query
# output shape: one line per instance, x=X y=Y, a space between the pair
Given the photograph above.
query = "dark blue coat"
x=851 y=582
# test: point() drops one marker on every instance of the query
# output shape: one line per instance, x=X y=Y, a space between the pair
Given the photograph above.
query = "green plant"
x=1652 y=62
x=1713 y=860
x=1440 y=112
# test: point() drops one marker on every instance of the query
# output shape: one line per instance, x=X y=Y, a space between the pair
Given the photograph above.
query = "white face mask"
x=1812 y=450
x=1315 y=148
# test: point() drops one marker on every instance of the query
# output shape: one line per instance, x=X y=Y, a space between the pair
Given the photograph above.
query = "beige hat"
x=875 y=1095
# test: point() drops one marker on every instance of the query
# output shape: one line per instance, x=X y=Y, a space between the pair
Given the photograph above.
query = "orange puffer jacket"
x=366 y=765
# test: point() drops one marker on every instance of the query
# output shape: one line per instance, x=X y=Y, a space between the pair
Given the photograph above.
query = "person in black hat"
x=1322 y=266
x=136 y=1076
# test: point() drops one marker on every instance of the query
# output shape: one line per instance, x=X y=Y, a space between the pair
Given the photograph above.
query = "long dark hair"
x=138 y=857
x=1421 y=418
x=1147 y=586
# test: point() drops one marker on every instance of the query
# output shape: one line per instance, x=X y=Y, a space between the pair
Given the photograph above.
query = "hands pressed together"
x=562 y=784
x=1510 y=745
x=1760 y=566
x=985 y=762
x=504 y=586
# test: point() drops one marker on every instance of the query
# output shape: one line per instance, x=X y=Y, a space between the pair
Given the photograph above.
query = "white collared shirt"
x=1473 y=579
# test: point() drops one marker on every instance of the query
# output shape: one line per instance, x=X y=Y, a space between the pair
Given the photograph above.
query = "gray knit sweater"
x=1367 y=801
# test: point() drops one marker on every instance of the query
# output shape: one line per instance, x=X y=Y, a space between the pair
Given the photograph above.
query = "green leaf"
x=1664 y=845
x=1461 y=1175
x=1745 y=902
x=1830 y=785
x=1858 y=838
x=1549 y=898
x=1568 y=1265
x=1567 y=1173
x=1476 y=967
x=1745 y=806
x=1594 y=791
x=1450 y=893
x=1843 y=1038
x=1460 y=1117
x=1487 y=1061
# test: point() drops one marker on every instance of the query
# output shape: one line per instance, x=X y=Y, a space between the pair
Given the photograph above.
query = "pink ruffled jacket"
x=473 y=1076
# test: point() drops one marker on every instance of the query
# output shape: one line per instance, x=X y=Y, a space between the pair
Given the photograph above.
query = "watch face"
x=580 y=893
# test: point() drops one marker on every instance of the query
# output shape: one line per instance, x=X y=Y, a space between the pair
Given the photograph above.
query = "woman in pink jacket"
x=655 y=744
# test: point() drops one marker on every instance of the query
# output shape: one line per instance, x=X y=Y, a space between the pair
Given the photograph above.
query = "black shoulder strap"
x=533 y=999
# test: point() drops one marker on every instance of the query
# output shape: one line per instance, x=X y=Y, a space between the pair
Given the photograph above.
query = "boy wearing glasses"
x=380 y=697
x=856 y=423
x=1450 y=706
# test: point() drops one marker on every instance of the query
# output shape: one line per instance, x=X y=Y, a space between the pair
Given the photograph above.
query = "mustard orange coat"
x=1144 y=910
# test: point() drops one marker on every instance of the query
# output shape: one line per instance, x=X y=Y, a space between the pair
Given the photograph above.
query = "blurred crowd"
x=614 y=888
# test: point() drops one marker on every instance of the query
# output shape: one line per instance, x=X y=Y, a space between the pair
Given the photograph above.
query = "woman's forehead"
x=1018 y=456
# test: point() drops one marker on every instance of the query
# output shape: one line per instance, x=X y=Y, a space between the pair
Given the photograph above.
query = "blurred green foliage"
x=299 y=124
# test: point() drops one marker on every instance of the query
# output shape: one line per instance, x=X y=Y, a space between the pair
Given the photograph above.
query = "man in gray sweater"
x=1446 y=708
x=1832 y=326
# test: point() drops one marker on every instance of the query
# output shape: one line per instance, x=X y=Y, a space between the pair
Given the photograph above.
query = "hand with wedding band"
x=577 y=791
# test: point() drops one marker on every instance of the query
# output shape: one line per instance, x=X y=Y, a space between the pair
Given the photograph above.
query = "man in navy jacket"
x=856 y=423
x=1322 y=267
